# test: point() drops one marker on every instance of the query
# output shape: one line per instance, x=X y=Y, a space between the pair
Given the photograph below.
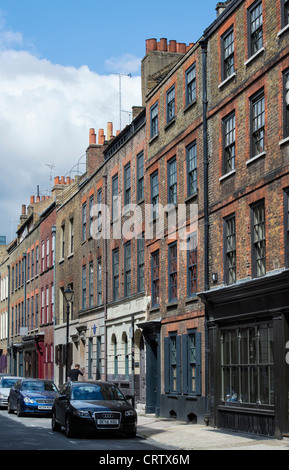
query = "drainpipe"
x=25 y=288
x=203 y=43
x=105 y=277
x=205 y=161
x=53 y=231
x=24 y=309
x=132 y=361
x=9 y=344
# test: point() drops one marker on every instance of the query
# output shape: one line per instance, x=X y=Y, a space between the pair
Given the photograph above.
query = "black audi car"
x=93 y=406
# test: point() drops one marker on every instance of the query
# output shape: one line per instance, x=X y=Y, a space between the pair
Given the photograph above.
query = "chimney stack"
x=221 y=6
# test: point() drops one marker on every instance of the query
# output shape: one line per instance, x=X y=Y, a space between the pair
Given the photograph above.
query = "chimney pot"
x=173 y=46
x=162 y=45
x=23 y=209
x=101 y=136
x=151 y=45
x=109 y=130
x=181 y=47
x=56 y=180
x=32 y=199
x=92 y=136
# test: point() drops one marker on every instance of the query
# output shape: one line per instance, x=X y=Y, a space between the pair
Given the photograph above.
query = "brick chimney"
x=221 y=6
x=60 y=184
x=160 y=57
x=94 y=151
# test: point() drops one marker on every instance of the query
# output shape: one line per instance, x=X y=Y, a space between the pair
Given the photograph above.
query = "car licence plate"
x=104 y=422
x=45 y=407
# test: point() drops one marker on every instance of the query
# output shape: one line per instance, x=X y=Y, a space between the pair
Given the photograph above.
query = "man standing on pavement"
x=74 y=373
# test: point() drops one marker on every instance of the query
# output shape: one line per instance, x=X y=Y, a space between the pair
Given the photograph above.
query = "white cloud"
x=127 y=63
x=46 y=113
x=8 y=38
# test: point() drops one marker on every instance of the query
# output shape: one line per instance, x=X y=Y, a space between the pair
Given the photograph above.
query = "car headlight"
x=81 y=413
x=28 y=400
x=129 y=413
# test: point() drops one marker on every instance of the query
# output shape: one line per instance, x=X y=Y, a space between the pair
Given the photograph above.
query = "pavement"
x=178 y=435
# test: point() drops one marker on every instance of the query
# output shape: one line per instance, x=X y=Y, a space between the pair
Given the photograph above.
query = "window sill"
x=254 y=56
x=191 y=196
x=192 y=298
x=154 y=308
x=170 y=123
x=228 y=79
x=172 y=304
x=240 y=407
x=253 y=159
x=283 y=30
x=227 y=175
x=190 y=105
x=127 y=209
x=284 y=141
x=153 y=138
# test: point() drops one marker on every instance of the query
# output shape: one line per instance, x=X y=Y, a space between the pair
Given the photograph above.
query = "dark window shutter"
x=185 y=363
x=198 y=364
x=167 y=364
x=179 y=364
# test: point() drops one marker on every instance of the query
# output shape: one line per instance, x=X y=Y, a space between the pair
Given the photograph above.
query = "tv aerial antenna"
x=51 y=166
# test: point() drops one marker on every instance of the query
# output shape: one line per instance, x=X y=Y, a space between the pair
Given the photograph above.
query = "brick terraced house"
x=248 y=159
x=175 y=330
x=103 y=264
x=191 y=313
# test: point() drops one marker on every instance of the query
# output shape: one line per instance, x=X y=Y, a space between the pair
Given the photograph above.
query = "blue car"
x=32 y=396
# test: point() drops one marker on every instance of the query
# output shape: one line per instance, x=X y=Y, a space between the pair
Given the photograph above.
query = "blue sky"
x=90 y=32
x=59 y=76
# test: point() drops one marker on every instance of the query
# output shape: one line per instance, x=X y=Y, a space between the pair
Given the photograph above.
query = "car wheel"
x=19 y=414
x=9 y=409
x=55 y=425
x=68 y=428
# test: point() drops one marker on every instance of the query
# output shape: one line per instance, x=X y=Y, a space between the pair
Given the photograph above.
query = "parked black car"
x=31 y=396
x=93 y=406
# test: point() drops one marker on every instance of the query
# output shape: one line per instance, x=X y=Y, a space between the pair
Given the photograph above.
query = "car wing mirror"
x=128 y=397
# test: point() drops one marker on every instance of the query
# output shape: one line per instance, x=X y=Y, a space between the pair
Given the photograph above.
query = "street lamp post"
x=68 y=294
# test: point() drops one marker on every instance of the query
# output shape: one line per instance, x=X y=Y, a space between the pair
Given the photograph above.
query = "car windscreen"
x=7 y=383
x=39 y=387
x=96 y=392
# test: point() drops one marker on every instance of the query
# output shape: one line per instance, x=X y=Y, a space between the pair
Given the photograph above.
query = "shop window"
x=247 y=365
